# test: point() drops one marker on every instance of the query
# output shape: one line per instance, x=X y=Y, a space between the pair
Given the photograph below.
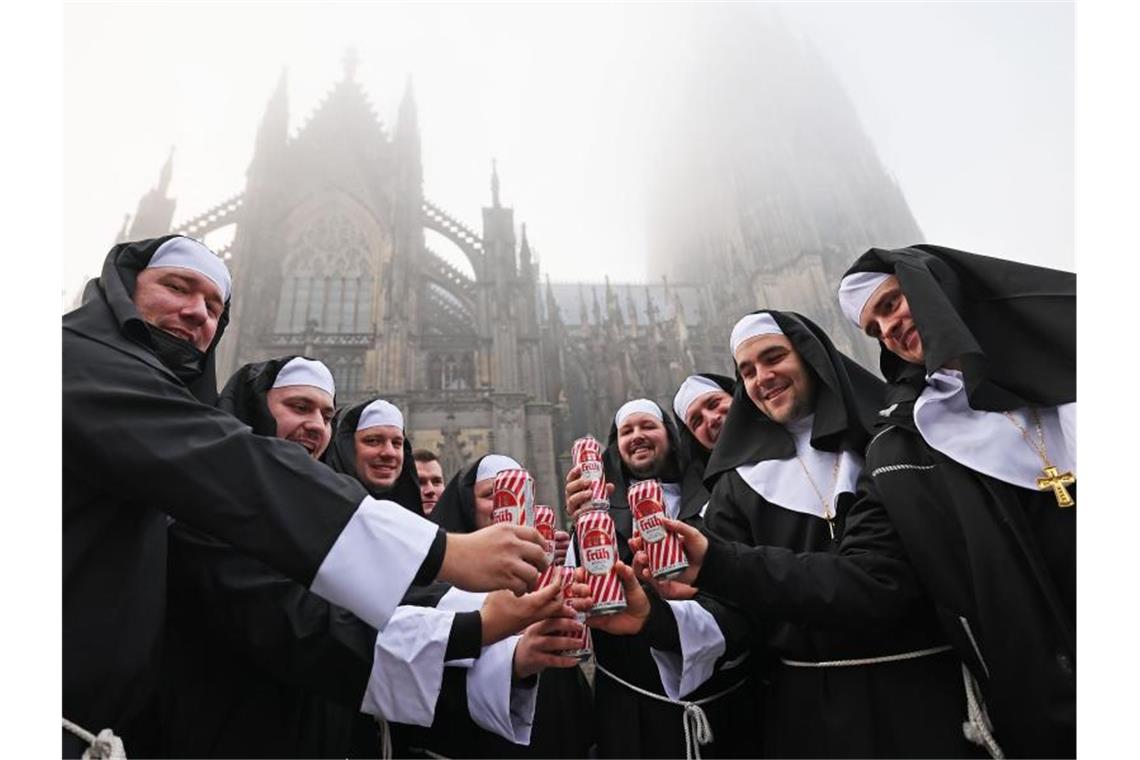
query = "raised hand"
x=505 y=614
x=500 y=556
x=578 y=492
x=630 y=620
x=540 y=644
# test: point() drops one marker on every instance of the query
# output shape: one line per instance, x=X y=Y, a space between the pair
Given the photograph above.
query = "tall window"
x=328 y=276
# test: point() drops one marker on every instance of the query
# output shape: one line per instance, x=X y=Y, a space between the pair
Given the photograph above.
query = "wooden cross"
x=1057 y=481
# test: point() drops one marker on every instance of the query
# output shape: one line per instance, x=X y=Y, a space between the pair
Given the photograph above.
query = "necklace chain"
x=1039 y=444
x=827 y=514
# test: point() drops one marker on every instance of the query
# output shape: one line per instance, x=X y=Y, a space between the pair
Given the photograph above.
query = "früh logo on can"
x=598 y=541
x=665 y=550
x=544 y=524
x=587 y=454
x=585 y=647
x=512 y=498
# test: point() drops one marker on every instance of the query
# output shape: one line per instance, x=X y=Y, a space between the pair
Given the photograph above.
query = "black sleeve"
x=293 y=635
x=466 y=639
x=144 y=434
x=724 y=518
x=429 y=568
x=868 y=582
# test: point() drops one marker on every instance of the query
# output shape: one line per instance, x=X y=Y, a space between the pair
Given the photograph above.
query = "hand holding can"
x=665 y=551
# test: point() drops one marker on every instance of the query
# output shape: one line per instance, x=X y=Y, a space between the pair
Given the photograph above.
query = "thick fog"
x=618 y=129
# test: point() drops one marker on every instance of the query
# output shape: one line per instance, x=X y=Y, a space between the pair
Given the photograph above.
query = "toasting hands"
x=500 y=556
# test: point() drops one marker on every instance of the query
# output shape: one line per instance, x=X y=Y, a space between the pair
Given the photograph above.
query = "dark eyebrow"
x=768 y=353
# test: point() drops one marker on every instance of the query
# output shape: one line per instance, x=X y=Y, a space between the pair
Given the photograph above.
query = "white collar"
x=987 y=441
x=783 y=483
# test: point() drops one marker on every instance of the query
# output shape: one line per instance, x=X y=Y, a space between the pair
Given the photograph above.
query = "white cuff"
x=494 y=703
x=374 y=560
x=702 y=644
x=458 y=600
x=407 y=668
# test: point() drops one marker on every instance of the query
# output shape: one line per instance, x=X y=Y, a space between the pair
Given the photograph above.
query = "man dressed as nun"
x=141 y=438
x=975 y=465
x=700 y=407
x=258 y=666
x=790 y=456
x=681 y=686
x=371 y=445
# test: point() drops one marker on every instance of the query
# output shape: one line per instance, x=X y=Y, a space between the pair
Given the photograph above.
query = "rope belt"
x=977 y=727
x=698 y=732
x=869 y=660
x=105 y=746
x=385 y=739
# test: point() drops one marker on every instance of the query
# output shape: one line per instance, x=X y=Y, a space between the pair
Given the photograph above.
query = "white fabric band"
x=492 y=464
x=378 y=413
x=374 y=559
x=302 y=371
x=693 y=388
x=783 y=483
x=988 y=441
x=752 y=326
x=407 y=665
x=638 y=406
x=855 y=290
x=186 y=253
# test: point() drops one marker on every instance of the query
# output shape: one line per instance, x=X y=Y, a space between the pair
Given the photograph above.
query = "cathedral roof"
x=572 y=296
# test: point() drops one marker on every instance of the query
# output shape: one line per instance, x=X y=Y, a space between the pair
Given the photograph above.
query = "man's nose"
x=194 y=310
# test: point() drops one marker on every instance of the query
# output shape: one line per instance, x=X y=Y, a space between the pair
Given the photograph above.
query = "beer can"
x=586 y=454
x=512 y=498
x=665 y=550
x=598 y=541
x=544 y=524
x=586 y=644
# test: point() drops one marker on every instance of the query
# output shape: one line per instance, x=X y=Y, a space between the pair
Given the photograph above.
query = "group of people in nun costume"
x=876 y=569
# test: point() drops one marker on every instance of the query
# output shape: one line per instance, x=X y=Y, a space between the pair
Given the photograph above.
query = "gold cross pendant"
x=1057 y=481
x=831 y=528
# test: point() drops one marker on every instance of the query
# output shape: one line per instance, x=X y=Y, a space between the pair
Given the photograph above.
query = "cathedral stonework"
x=329 y=259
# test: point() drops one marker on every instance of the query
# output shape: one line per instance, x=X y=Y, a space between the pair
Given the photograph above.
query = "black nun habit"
x=140 y=439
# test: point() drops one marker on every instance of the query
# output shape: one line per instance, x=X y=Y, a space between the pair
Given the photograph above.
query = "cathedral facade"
x=329 y=260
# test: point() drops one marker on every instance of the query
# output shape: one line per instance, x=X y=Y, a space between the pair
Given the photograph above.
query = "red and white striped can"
x=586 y=645
x=665 y=550
x=544 y=524
x=598 y=541
x=512 y=498
x=586 y=453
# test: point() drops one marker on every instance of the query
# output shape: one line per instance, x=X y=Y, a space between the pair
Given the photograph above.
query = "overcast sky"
x=980 y=138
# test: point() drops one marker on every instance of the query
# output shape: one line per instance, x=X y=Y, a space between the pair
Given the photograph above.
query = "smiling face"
x=304 y=415
x=182 y=302
x=776 y=378
x=705 y=417
x=886 y=316
x=484 y=502
x=379 y=455
x=643 y=444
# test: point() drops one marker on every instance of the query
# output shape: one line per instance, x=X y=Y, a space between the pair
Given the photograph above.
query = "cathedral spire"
x=167 y=171
x=407 y=138
x=494 y=184
x=350 y=61
x=526 y=263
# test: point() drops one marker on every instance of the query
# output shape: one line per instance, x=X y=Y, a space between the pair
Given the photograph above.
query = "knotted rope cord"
x=105 y=746
x=385 y=739
x=698 y=732
x=869 y=660
x=977 y=727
